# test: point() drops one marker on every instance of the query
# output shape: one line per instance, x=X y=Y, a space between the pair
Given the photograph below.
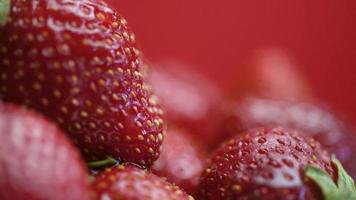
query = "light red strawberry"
x=273 y=163
x=191 y=100
x=37 y=161
x=182 y=159
x=76 y=62
x=313 y=120
x=132 y=183
x=272 y=73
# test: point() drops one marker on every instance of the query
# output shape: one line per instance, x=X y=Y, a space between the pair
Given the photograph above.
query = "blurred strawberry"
x=76 y=62
x=37 y=161
x=181 y=161
x=131 y=183
x=190 y=100
x=270 y=163
x=273 y=73
x=311 y=119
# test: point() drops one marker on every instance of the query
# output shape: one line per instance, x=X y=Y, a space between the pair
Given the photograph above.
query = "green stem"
x=345 y=182
x=4 y=11
x=102 y=163
x=344 y=189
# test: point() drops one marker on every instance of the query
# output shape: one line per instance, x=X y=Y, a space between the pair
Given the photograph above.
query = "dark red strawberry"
x=76 y=62
x=272 y=73
x=131 y=183
x=182 y=160
x=190 y=100
x=37 y=161
x=267 y=163
x=311 y=119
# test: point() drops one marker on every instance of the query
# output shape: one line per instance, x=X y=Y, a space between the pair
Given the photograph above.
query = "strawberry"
x=181 y=161
x=37 y=161
x=132 y=183
x=190 y=100
x=272 y=73
x=269 y=163
x=313 y=120
x=76 y=62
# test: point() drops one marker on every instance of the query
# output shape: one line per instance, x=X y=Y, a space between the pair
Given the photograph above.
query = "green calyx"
x=4 y=11
x=343 y=189
x=108 y=162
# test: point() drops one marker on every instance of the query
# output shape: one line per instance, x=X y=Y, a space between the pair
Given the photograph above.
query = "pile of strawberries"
x=83 y=116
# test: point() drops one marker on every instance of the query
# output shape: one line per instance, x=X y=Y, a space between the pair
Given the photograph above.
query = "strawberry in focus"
x=37 y=161
x=309 y=118
x=76 y=62
x=190 y=100
x=181 y=161
x=132 y=183
x=264 y=163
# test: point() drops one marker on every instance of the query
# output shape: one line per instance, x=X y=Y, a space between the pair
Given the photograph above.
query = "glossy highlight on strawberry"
x=76 y=62
x=132 y=183
x=37 y=161
x=264 y=163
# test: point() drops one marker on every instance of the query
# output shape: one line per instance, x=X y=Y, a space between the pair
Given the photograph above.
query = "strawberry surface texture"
x=37 y=161
x=76 y=62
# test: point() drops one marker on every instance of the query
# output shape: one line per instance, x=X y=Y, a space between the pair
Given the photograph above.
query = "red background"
x=218 y=36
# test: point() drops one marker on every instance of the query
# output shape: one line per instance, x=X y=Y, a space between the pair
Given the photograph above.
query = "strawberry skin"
x=132 y=183
x=182 y=159
x=37 y=161
x=309 y=118
x=76 y=62
x=264 y=163
x=191 y=100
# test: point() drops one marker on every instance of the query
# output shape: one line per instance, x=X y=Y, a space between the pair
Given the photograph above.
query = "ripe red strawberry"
x=131 y=183
x=313 y=120
x=267 y=163
x=273 y=73
x=190 y=100
x=181 y=161
x=37 y=161
x=76 y=62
